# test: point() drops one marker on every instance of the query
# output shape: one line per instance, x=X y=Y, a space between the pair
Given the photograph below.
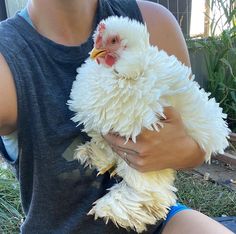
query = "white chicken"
x=122 y=88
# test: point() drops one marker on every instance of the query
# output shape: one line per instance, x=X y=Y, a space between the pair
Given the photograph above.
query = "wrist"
x=194 y=156
x=190 y=155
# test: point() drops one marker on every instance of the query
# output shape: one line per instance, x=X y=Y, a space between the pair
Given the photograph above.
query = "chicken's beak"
x=97 y=53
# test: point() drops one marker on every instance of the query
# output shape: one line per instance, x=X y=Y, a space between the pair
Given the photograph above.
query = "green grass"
x=208 y=197
x=10 y=209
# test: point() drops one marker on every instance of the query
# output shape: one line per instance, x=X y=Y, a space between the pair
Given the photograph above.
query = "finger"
x=134 y=161
x=126 y=155
x=129 y=159
x=123 y=149
x=121 y=143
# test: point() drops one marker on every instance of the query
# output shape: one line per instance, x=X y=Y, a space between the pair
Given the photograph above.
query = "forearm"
x=192 y=155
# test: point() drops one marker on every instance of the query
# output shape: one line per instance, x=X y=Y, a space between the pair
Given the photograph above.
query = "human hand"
x=171 y=147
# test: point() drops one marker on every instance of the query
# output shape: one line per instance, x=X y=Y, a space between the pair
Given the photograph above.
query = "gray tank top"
x=56 y=192
x=11 y=141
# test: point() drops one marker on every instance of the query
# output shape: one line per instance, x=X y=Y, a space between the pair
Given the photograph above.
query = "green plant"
x=220 y=57
x=223 y=15
x=221 y=66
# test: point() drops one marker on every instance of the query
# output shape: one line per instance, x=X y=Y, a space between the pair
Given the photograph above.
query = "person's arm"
x=8 y=102
x=171 y=147
x=165 y=32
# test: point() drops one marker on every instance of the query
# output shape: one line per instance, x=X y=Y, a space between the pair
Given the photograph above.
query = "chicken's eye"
x=113 y=41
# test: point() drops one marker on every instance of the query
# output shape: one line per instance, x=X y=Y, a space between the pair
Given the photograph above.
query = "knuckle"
x=118 y=141
x=140 y=163
x=108 y=139
x=114 y=141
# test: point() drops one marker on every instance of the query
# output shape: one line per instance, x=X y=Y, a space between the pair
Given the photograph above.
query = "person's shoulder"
x=7 y=27
x=156 y=15
x=11 y=38
x=10 y=44
x=164 y=30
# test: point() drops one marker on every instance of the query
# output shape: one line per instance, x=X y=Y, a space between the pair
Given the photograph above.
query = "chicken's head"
x=116 y=36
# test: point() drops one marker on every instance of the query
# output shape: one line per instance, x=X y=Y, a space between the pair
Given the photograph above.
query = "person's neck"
x=67 y=22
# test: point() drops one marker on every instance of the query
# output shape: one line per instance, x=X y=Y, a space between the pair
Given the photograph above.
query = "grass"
x=208 y=197
x=10 y=209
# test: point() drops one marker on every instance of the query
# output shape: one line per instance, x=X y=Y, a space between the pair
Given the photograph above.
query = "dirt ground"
x=220 y=172
x=223 y=167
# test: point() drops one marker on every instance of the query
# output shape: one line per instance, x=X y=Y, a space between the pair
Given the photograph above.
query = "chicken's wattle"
x=108 y=60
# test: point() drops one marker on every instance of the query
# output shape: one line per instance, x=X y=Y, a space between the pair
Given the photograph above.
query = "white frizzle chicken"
x=122 y=88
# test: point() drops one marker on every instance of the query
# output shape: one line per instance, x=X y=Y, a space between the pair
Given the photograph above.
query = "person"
x=40 y=48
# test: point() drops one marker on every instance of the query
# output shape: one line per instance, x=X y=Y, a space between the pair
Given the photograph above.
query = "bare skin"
x=191 y=221
x=8 y=102
x=60 y=21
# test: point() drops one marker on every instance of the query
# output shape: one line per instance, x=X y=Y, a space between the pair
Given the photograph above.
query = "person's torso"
x=56 y=191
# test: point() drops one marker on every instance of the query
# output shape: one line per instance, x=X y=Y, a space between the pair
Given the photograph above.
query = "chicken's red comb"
x=101 y=27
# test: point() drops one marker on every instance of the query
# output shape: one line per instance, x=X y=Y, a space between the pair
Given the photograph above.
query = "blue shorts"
x=174 y=210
